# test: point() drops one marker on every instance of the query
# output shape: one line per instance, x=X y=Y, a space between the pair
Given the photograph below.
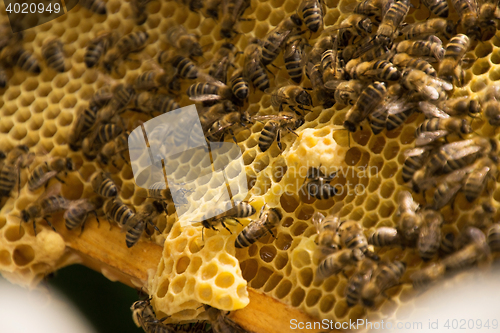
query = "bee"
x=449 y=187
x=117 y=146
x=232 y=12
x=447 y=245
x=391 y=21
x=332 y=67
x=453 y=107
x=322 y=95
x=139 y=10
x=217 y=131
x=409 y=222
x=432 y=129
x=209 y=91
x=387 y=275
x=354 y=25
x=52 y=51
x=358 y=281
x=415 y=159
x=429 y=239
x=210 y=116
x=421 y=48
x=326 y=227
x=100 y=98
x=136 y=225
x=78 y=211
x=273 y=41
x=385 y=236
x=118 y=212
x=380 y=70
x=291 y=95
x=347 y=92
x=367 y=49
x=476 y=181
x=48 y=170
x=488 y=16
x=493 y=237
x=376 y=8
x=220 y=323
x=335 y=263
x=103 y=185
x=212 y=9
x=183 y=66
x=437 y=7
x=322 y=44
x=424 y=86
x=432 y=27
x=482 y=214
x=163 y=103
x=239 y=85
x=311 y=12
x=132 y=42
x=317 y=184
x=194 y=5
x=187 y=43
x=43 y=208
x=84 y=121
x=367 y=101
x=3 y=77
x=398 y=112
x=16 y=159
x=352 y=237
x=455 y=50
x=468 y=12
x=17 y=56
x=293 y=55
x=145 y=317
x=229 y=215
x=267 y=220
x=100 y=136
x=221 y=62
x=96 y=6
x=403 y=60
x=275 y=125
x=156 y=79
x=466 y=257
x=426 y=276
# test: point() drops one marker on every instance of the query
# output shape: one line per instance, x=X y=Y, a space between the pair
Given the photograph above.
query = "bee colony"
x=394 y=123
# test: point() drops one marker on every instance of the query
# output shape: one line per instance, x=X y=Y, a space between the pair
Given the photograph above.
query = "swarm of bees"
x=376 y=64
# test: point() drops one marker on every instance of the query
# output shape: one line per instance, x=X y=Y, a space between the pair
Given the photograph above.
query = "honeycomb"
x=38 y=110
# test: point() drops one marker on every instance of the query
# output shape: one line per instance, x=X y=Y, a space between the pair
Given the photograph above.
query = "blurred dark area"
x=104 y=303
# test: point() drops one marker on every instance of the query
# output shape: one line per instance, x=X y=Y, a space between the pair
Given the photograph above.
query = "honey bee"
x=112 y=148
x=215 y=112
x=317 y=184
x=217 y=131
x=466 y=257
x=272 y=43
x=380 y=70
x=100 y=136
x=429 y=239
x=292 y=96
x=488 y=16
x=352 y=237
x=335 y=263
x=103 y=185
x=293 y=55
x=398 y=112
x=99 y=46
x=17 y=56
x=432 y=27
x=447 y=245
x=452 y=107
x=212 y=9
x=130 y=43
x=230 y=215
x=139 y=10
x=209 y=91
x=42 y=174
x=253 y=68
x=194 y=5
x=267 y=220
x=232 y=12
x=426 y=276
x=493 y=237
x=468 y=12
x=455 y=51
x=482 y=214
x=185 y=42
x=322 y=95
x=323 y=43
x=403 y=60
x=96 y=6
x=239 y=85
x=183 y=66
x=156 y=79
x=84 y=121
x=46 y=205
x=367 y=49
x=220 y=323
x=100 y=98
x=221 y=62
x=424 y=86
x=118 y=212
x=437 y=7
x=415 y=159
x=449 y=187
x=367 y=101
x=163 y=103
x=275 y=125
x=385 y=236
x=391 y=21
x=387 y=275
x=145 y=317
x=3 y=77
x=432 y=129
x=16 y=159
x=78 y=211
x=331 y=65
x=328 y=240
x=421 y=48
x=136 y=224
x=346 y=92
x=311 y=12
x=358 y=281
x=476 y=181
x=409 y=222
x=354 y=25
x=376 y=8
x=52 y=51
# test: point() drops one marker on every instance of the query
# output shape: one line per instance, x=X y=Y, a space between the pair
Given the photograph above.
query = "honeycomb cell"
x=261 y=277
x=224 y=280
x=13 y=233
x=3 y=221
x=306 y=276
x=23 y=255
x=5 y=258
x=195 y=264
x=480 y=67
x=283 y=289
x=353 y=156
x=182 y=265
x=267 y=253
x=272 y=282
x=313 y=297
x=204 y=292
x=178 y=284
x=298 y=228
x=326 y=304
x=281 y=260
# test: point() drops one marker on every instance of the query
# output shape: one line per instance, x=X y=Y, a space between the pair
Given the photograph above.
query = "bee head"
x=25 y=216
x=304 y=98
x=2 y=155
x=350 y=126
x=465 y=127
x=69 y=164
x=366 y=25
x=451 y=29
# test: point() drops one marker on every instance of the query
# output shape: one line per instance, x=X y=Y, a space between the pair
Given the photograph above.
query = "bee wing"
x=427 y=137
x=265 y=117
x=203 y=98
x=52 y=190
x=333 y=84
x=460 y=153
x=430 y=92
x=317 y=220
x=398 y=106
x=416 y=151
x=363 y=48
x=442 y=83
x=336 y=27
x=432 y=111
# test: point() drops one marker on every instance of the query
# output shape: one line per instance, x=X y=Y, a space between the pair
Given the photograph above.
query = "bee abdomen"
x=134 y=233
x=8 y=176
x=493 y=237
x=268 y=135
x=96 y=6
x=396 y=120
x=108 y=188
x=54 y=55
x=186 y=69
x=244 y=239
x=27 y=62
x=240 y=88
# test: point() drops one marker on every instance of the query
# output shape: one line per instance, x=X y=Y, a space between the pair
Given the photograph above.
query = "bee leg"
x=48 y=222
x=278 y=140
x=292 y=131
x=97 y=219
x=34 y=226
x=270 y=231
x=154 y=226
x=59 y=179
x=225 y=226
